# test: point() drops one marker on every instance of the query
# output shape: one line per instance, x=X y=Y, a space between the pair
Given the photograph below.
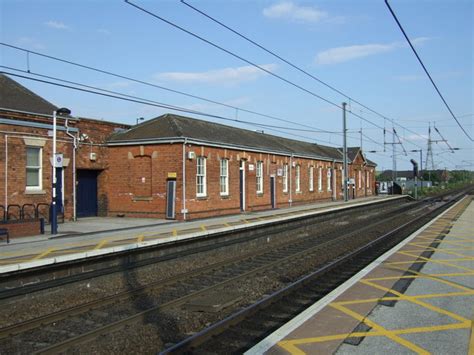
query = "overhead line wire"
x=296 y=67
x=284 y=60
x=426 y=70
x=159 y=86
x=135 y=99
x=246 y=60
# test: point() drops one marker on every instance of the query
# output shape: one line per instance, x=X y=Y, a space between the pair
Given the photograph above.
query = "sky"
x=354 y=46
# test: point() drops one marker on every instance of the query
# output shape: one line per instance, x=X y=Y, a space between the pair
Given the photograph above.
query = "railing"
x=13 y=213
x=27 y=211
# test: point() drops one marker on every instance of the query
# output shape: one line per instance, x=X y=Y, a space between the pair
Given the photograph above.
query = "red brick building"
x=185 y=168
x=26 y=151
x=170 y=166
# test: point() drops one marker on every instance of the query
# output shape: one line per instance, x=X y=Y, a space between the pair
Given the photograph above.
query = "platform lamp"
x=140 y=119
x=56 y=163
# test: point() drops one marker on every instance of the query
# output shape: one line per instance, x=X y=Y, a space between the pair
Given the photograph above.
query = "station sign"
x=58 y=161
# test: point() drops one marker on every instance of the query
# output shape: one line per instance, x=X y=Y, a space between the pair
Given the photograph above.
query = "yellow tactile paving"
x=423 y=242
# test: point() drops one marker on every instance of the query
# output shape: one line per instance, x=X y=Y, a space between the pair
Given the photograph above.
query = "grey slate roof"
x=352 y=153
x=175 y=126
x=16 y=97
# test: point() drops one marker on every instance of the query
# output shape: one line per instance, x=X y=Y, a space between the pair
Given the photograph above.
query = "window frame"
x=311 y=178
x=329 y=179
x=320 y=179
x=224 y=177
x=259 y=177
x=285 y=178
x=298 y=178
x=201 y=176
x=39 y=168
x=360 y=179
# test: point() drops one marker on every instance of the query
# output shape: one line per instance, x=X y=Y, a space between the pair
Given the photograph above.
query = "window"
x=224 y=177
x=34 y=169
x=360 y=179
x=311 y=178
x=367 y=179
x=285 y=178
x=297 y=178
x=342 y=178
x=320 y=179
x=329 y=179
x=260 y=177
x=201 y=189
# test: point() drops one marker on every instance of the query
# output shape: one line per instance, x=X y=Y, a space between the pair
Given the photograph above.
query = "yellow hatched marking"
x=101 y=244
x=290 y=345
x=227 y=224
x=416 y=301
x=437 y=261
x=43 y=254
x=245 y=221
x=470 y=351
x=175 y=233
x=203 y=227
x=140 y=238
x=380 y=329
x=431 y=276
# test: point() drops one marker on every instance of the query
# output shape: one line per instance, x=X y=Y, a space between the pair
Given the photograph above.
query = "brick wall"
x=18 y=138
x=22 y=228
x=136 y=180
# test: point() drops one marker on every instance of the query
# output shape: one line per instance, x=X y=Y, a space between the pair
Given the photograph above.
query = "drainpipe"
x=291 y=180
x=184 y=179
x=6 y=171
x=74 y=142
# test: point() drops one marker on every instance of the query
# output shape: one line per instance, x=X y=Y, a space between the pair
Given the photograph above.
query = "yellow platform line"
x=203 y=227
x=227 y=224
x=175 y=233
x=245 y=221
x=101 y=244
x=43 y=254
x=140 y=238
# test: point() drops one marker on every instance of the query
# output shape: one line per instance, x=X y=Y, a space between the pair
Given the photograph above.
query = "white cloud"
x=104 y=31
x=293 y=12
x=218 y=76
x=347 y=53
x=56 y=25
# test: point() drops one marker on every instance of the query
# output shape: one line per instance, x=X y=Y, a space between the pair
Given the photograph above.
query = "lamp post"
x=54 y=212
x=421 y=166
x=140 y=119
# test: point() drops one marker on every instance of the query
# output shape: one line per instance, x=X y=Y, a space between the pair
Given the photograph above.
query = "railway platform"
x=416 y=298
x=110 y=236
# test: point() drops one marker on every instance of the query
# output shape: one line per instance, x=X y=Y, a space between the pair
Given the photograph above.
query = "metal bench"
x=4 y=231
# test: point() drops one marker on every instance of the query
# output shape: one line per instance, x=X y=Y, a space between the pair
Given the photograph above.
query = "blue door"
x=86 y=193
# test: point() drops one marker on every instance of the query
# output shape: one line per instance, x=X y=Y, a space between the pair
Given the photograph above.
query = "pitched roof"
x=352 y=154
x=175 y=126
x=16 y=97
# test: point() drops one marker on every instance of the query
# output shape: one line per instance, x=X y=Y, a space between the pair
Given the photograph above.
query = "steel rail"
x=214 y=330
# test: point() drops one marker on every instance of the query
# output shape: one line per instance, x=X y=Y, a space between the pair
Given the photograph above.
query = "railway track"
x=68 y=329
x=240 y=331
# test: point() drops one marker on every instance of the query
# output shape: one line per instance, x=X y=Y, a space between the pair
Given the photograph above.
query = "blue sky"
x=355 y=46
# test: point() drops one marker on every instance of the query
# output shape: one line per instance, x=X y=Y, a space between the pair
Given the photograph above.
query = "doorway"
x=87 y=193
x=273 y=191
x=171 y=199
